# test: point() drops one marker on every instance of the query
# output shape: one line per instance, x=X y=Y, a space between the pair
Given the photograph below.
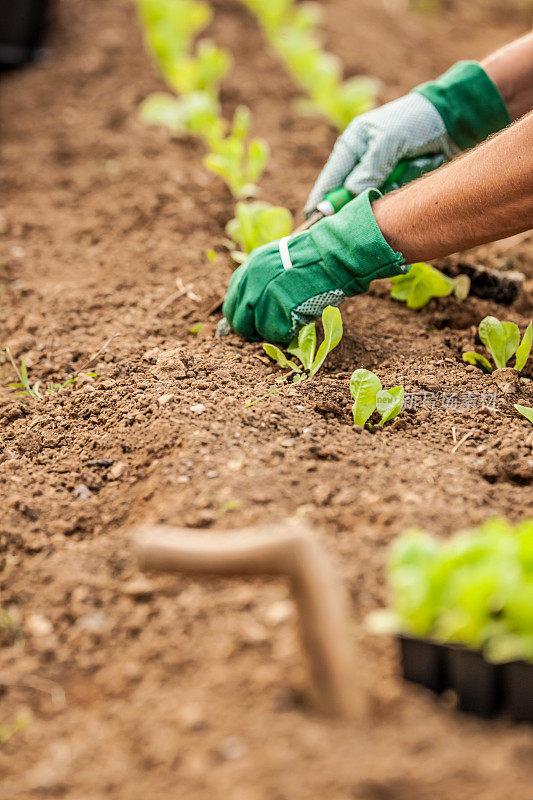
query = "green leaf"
x=364 y=386
x=389 y=403
x=257 y=223
x=478 y=361
x=526 y=412
x=461 y=287
x=501 y=338
x=303 y=345
x=524 y=348
x=418 y=286
x=279 y=356
x=332 y=324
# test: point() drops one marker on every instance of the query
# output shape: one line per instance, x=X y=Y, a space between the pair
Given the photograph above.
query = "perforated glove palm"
x=440 y=118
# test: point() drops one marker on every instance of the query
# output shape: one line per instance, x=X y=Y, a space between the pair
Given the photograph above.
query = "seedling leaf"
x=389 y=403
x=258 y=223
x=364 y=386
x=280 y=358
x=478 y=361
x=420 y=284
x=524 y=348
x=526 y=412
x=332 y=323
x=303 y=345
x=501 y=338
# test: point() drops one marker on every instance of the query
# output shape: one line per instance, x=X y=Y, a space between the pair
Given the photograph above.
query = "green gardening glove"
x=289 y=282
x=435 y=121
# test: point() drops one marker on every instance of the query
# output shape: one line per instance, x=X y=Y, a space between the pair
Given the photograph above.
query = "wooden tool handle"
x=285 y=549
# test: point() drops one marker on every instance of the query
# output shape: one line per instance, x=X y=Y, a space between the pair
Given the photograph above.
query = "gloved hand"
x=289 y=282
x=457 y=111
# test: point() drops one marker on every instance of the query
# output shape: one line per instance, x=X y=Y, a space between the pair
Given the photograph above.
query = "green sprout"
x=234 y=159
x=502 y=340
x=255 y=224
x=35 y=390
x=474 y=589
x=369 y=396
x=423 y=282
x=526 y=412
x=303 y=348
x=170 y=27
x=196 y=113
x=202 y=72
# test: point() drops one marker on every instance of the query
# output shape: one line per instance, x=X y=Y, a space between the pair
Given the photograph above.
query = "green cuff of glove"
x=353 y=248
x=469 y=103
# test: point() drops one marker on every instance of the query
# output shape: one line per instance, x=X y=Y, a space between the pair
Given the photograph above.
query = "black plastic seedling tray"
x=482 y=688
x=22 y=29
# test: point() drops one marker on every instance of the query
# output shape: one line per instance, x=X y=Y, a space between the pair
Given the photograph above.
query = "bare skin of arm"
x=483 y=196
x=511 y=69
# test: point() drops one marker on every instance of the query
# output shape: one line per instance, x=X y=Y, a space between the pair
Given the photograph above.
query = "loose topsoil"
x=156 y=687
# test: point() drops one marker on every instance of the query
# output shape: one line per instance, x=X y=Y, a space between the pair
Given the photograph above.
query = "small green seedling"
x=320 y=73
x=170 y=27
x=202 y=72
x=255 y=224
x=423 y=282
x=23 y=381
x=196 y=328
x=369 y=396
x=196 y=113
x=303 y=346
x=35 y=391
x=526 y=412
x=239 y=163
x=502 y=340
x=475 y=589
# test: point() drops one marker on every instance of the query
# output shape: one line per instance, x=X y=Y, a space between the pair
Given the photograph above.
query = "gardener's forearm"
x=483 y=196
x=511 y=69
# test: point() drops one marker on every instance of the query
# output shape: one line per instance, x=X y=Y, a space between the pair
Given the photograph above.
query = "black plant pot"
x=518 y=690
x=478 y=683
x=22 y=30
x=422 y=662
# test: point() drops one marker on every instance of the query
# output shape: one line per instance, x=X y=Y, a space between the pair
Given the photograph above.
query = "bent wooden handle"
x=286 y=549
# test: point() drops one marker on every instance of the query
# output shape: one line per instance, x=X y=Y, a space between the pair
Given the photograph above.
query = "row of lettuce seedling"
x=463 y=610
x=194 y=72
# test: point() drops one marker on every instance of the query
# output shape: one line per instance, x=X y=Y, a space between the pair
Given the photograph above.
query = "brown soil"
x=176 y=687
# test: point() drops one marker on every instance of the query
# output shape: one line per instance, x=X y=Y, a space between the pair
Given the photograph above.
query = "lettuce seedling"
x=237 y=162
x=423 y=282
x=255 y=224
x=475 y=589
x=196 y=114
x=170 y=27
x=502 y=340
x=526 y=412
x=201 y=72
x=369 y=396
x=303 y=346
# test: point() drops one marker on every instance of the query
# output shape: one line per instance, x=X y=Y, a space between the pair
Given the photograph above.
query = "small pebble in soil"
x=211 y=473
x=165 y=399
x=39 y=625
x=197 y=408
x=117 y=470
x=82 y=492
x=232 y=748
x=95 y=623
